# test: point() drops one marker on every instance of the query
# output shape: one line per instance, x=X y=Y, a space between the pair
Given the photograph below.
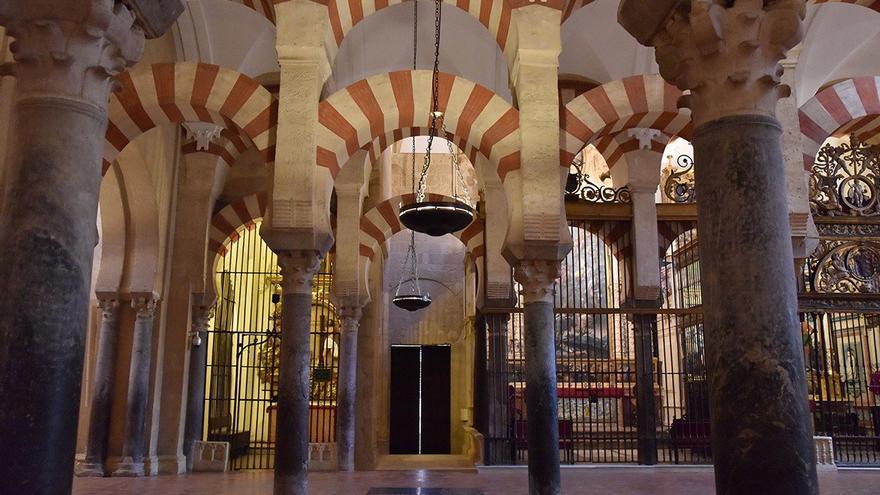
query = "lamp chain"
x=435 y=101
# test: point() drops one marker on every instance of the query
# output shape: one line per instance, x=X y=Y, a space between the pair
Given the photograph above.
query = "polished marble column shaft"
x=104 y=374
x=762 y=434
x=134 y=441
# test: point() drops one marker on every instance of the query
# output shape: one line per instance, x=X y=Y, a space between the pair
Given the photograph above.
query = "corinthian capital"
x=70 y=48
x=109 y=306
x=145 y=305
x=727 y=53
x=538 y=280
x=298 y=268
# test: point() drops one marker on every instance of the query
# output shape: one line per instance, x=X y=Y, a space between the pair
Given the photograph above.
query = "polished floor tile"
x=581 y=481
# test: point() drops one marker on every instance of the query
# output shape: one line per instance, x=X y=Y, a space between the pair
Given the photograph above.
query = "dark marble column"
x=538 y=279
x=762 y=436
x=292 y=437
x=499 y=448
x=345 y=402
x=134 y=442
x=195 y=403
x=105 y=366
x=644 y=329
x=65 y=53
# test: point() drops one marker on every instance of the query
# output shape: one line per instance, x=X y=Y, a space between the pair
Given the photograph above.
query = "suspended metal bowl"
x=412 y=302
x=437 y=218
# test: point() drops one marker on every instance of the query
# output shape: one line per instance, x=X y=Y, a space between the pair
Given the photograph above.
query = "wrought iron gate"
x=243 y=354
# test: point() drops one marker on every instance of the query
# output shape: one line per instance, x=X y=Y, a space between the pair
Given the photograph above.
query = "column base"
x=171 y=464
x=85 y=469
x=128 y=468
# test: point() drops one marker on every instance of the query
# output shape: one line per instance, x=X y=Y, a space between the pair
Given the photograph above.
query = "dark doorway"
x=420 y=400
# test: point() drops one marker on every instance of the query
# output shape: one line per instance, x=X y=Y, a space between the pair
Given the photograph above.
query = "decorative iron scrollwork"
x=844 y=180
x=579 y=186
x=679 y=185
x=847 y=267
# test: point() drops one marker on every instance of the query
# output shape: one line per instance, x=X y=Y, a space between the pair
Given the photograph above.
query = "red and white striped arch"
x=227 y=222
x=669 y=231
x=380 y=144
x=266 y=8
x=613 y=147
x=374 y=108
x=382 y=221
x=189 y=92
x=850 y=106
x=229 y=146
x=645 y=101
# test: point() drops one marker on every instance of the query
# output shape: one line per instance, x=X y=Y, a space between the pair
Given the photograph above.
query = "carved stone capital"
x=144 y=305
x=202 y=311
x=298 y=268
x=351 y=317
x=538 y=279
x=203 y=133
x=727 y=53
x=71 y=49
x=644 y=135
x=109 y=306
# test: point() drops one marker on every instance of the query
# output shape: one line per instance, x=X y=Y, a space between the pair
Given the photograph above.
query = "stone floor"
x=617 y=481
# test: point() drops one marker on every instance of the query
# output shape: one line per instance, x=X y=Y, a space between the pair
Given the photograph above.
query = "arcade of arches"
x=674 y=257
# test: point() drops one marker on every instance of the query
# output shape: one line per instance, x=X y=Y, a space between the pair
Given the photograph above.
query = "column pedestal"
x=105 y=366
x=538 y=279
x=133 y=447
x=762 y=439
x=345 y=402
x=292 y=437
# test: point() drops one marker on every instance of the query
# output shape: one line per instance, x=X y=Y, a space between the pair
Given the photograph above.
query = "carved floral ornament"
x=847 y=267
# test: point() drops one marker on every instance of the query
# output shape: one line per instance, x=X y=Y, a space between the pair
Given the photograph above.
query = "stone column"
x=498 y=451
x=345 y=402
x=105 y=366
x=642 y=178
x=292 y=437
x=202 y=308
x=644 y=329
x=65 y=55
x=538 y=279
x=134 y=441
x=728 y=55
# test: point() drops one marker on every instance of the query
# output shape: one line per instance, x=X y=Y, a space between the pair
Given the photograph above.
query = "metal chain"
x=414 y=66
x=456 y=168
x=411 y=252
x=435 y=101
